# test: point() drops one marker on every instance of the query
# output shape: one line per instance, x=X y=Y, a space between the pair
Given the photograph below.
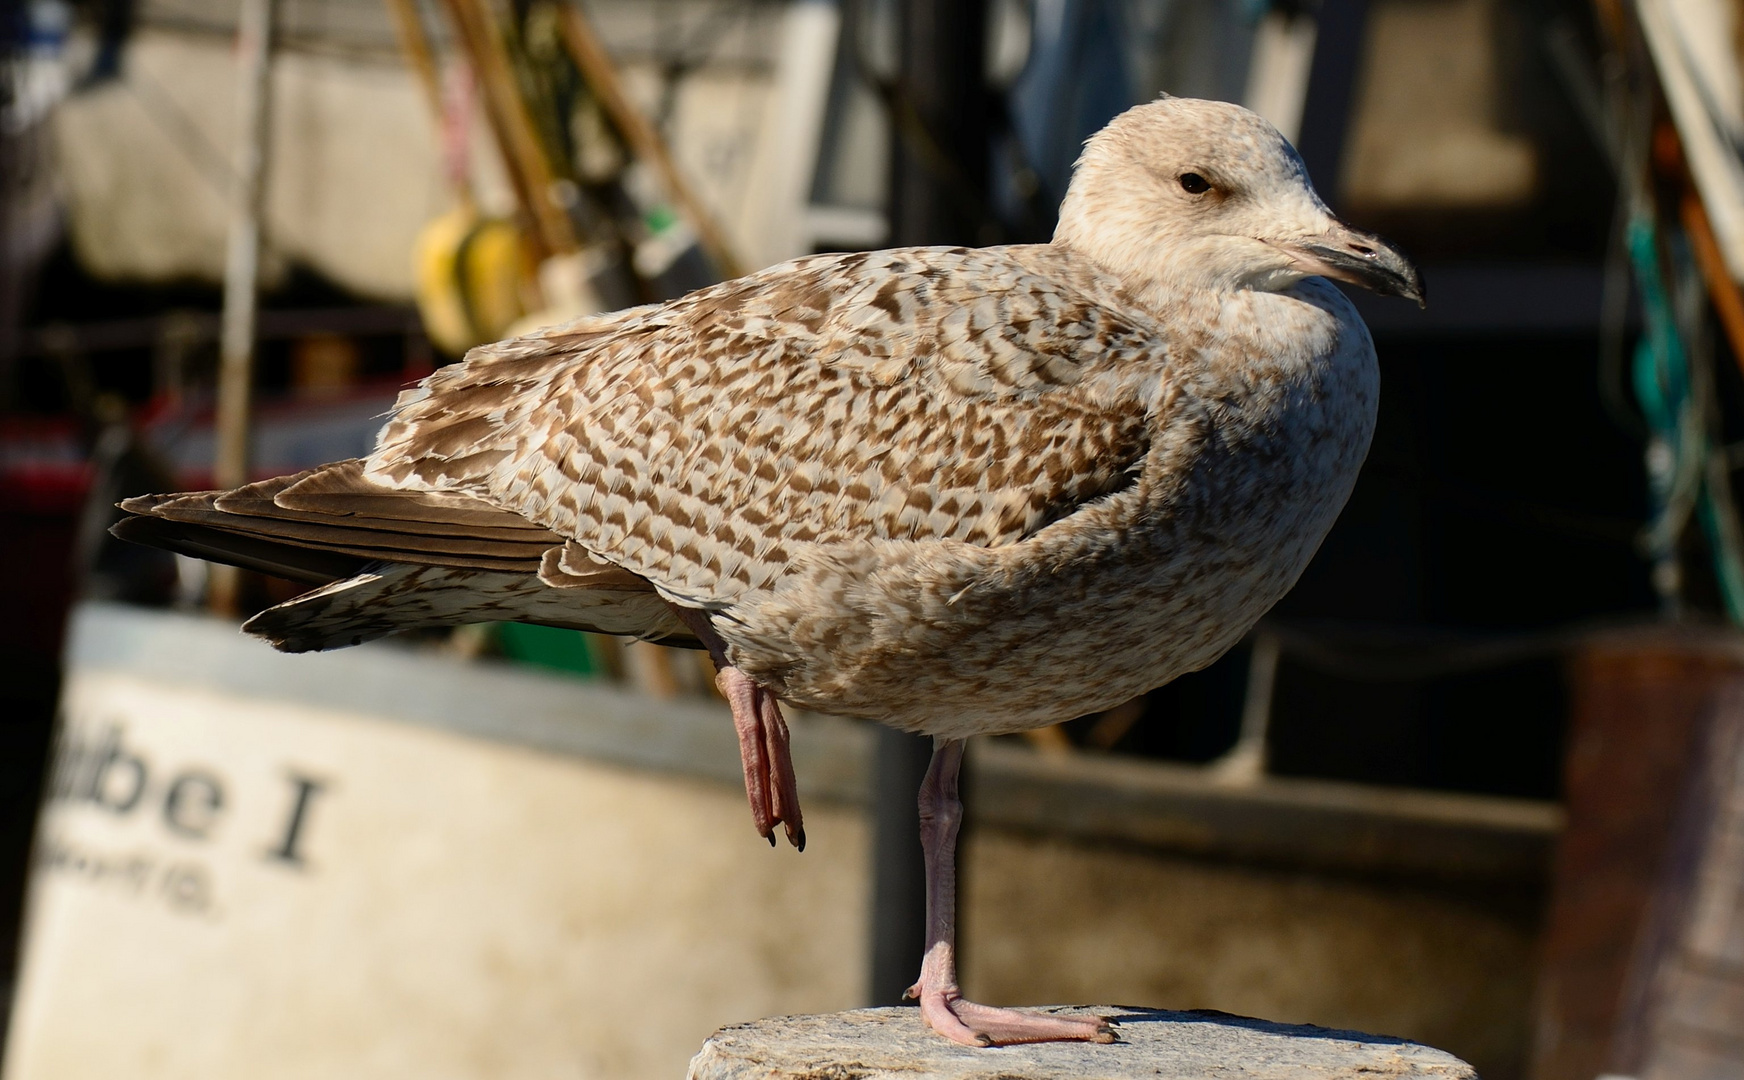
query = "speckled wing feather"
x=390 y=598
x=924 y=394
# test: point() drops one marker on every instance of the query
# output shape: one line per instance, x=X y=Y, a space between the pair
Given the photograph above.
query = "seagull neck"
x=1293 y=326
x=1173 y=300
x=1150 y=283
x=1285 y=334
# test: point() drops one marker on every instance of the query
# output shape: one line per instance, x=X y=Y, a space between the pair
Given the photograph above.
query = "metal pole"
x=242 y=265
x=937 y=192
x=899 y=763
x=940 y=124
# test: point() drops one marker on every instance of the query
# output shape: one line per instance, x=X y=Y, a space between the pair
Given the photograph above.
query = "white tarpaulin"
x=1692 y=46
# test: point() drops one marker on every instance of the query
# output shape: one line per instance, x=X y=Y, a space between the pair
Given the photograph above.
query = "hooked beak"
x=1347 y=254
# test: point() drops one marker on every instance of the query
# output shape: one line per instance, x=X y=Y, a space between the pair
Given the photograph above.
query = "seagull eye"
x=1194 y=184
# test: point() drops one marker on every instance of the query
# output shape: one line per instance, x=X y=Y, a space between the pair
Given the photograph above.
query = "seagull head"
x=1183 y=193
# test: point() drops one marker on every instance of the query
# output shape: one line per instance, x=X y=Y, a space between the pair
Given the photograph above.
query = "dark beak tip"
x=1416 y=288
x=1407 y=281
x=1371 y=263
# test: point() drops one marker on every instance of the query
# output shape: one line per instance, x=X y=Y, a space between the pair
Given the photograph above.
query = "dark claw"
x=770 y=836
x=799 y=842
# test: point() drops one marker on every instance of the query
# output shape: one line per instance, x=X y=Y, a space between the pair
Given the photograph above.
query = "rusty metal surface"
x=1684 y=1007
x=1639 y=703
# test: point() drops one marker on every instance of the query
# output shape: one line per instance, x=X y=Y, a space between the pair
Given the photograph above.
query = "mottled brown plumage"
x=953 y=490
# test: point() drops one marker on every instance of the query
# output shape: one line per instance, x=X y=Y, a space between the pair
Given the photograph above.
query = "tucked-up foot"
x=765 y=753
x=764 y=749
x=965 y=1022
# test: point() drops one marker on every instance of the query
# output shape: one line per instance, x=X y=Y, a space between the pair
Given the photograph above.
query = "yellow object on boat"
x=472 y=275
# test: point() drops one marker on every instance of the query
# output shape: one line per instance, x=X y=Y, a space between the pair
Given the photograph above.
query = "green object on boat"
x=547 y=647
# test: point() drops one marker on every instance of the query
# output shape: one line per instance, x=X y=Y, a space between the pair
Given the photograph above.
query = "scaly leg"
x=764 y=749
x=941 y=1004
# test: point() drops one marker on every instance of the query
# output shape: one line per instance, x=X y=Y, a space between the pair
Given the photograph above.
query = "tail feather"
x=389 y=560
x=334 y=509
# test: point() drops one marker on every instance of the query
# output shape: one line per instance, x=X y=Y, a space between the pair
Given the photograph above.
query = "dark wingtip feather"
x=151 y=504
x=308 y=565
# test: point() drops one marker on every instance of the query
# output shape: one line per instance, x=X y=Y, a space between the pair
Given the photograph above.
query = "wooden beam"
x=1670 y=161
x=415 y=43
x=230 y=466
x=1722 y=290
x=596 y=66
x=529 y=169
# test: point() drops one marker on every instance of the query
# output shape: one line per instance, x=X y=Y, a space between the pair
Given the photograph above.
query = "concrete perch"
x=888 y=1044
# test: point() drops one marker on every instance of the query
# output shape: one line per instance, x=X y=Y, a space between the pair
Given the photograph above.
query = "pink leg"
x=941 y=1003
x=764 y=750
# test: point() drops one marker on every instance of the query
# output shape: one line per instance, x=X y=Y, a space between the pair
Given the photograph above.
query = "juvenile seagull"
x=954 y=491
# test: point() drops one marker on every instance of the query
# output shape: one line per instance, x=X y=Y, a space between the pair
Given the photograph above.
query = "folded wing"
x=923 y=394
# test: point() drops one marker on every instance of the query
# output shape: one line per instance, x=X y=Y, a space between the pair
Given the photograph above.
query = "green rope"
x=1678 y=452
